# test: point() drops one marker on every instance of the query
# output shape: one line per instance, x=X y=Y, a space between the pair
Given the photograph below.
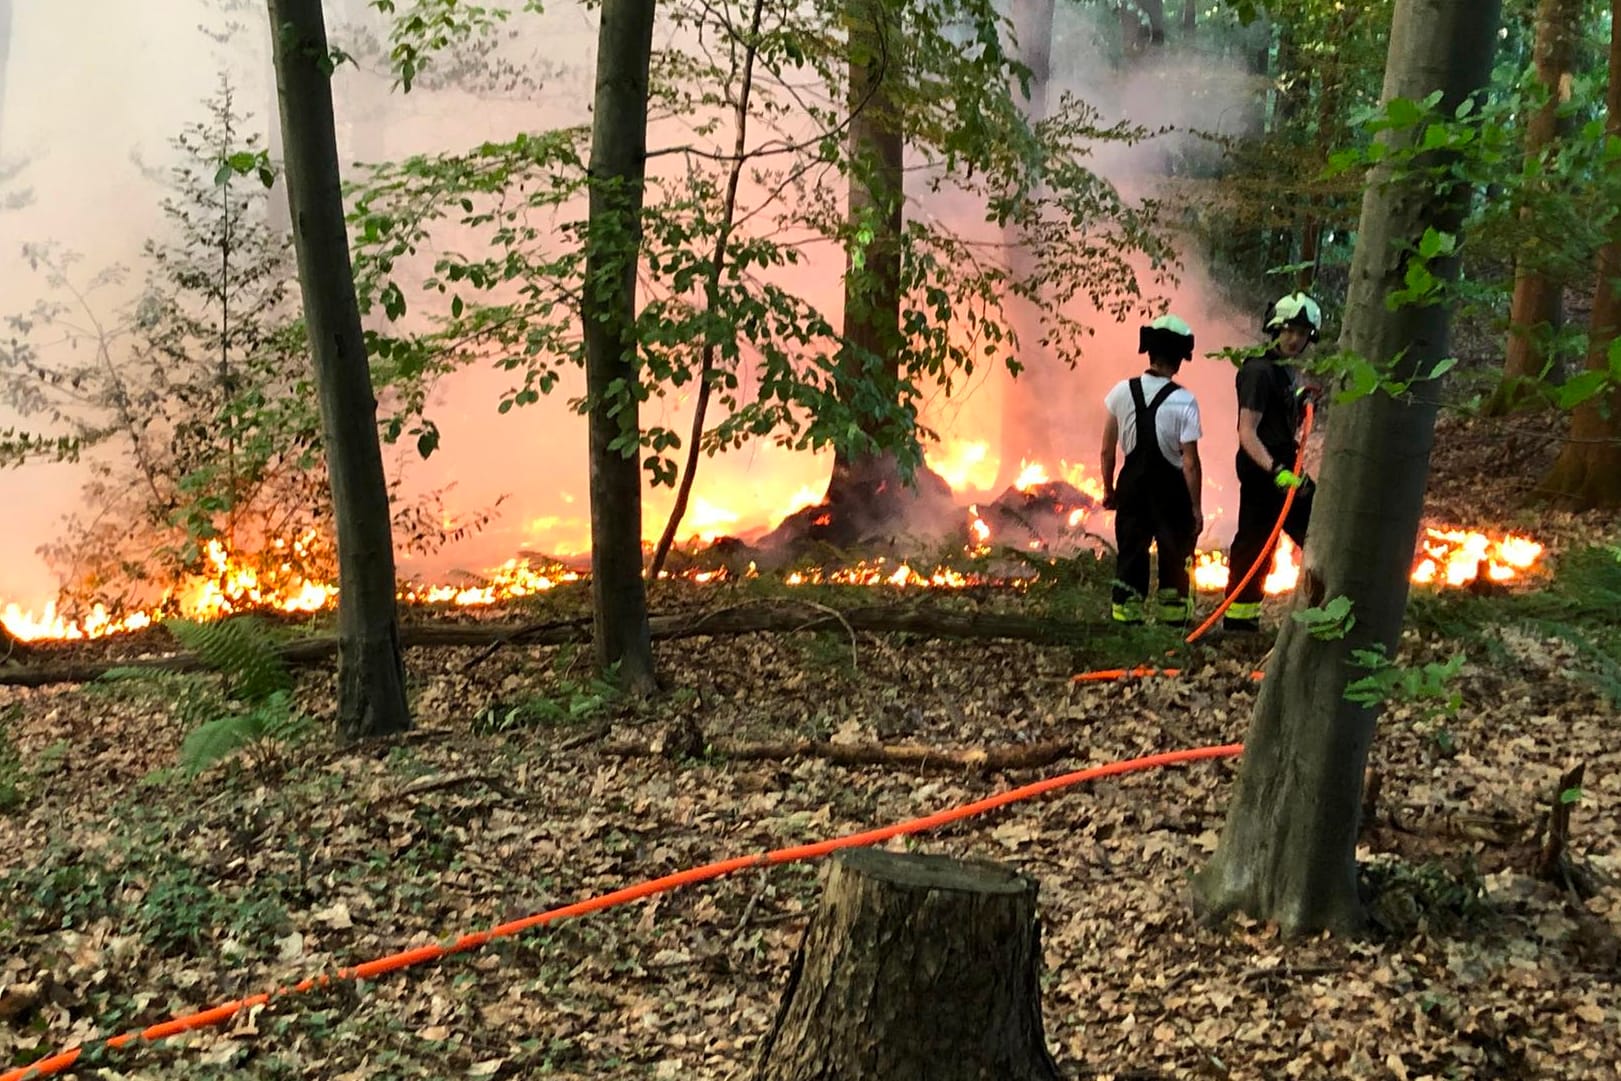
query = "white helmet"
x=1166 y=336
x=1296 y=309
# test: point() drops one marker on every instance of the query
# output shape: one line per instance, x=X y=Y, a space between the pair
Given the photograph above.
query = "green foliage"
x=201 y=384
x=257 y=714
x=1331 y=622
x=241 y=648
x=505 y=222
x=1577 y=607
x=262 y=727
x=1427 y=689
x=12 y=773
x=1413 y=898
x=170 y=904
x=569 y=701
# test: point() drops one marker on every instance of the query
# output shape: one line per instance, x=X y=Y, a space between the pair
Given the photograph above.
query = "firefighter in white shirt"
x=1156 y=497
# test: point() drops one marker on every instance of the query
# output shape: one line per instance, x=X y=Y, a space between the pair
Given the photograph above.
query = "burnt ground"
x=129 y=891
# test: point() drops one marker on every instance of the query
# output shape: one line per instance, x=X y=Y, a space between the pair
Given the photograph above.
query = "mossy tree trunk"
x=371 y=672
x=608 y=312
x=1587 y=474
x=870 y=360
x=914 y=967
x=1288 y=849
x=1534 y=310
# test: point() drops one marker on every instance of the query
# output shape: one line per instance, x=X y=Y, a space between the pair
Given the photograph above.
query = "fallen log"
x=907 y=755
x=781 y=617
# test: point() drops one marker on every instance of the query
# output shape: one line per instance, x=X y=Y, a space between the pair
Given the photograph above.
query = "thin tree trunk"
x=1288 y=850
x=1027 y=406
x=717 y=265
x=1535 y=307
x=1588 y=471
x=612 y=370
x=914 y=967
x=872 y=273
x=371 y=676
x=1190 y=18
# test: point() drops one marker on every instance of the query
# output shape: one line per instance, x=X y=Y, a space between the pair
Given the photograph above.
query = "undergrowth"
x=1577 y=607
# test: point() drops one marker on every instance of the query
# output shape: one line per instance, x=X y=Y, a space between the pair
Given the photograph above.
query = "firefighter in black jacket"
x=1156 y=498
x=1269 y=410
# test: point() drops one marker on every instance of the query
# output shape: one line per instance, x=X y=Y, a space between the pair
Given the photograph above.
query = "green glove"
x=1287 y=478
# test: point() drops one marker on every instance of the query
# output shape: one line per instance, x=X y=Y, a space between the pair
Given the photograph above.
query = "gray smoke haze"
x=88 y=115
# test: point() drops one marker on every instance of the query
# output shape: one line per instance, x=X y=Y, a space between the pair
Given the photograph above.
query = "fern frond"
x=269 y=721
x=241 y=649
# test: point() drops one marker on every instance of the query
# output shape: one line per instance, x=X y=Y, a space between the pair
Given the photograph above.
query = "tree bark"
x=1587 y=474
x=786 y=617
x=1534 y=310
x=872 y=272
x=1190 y=18
x=902 y=755
x=1142 y=27
x=914 y=967
x=1288 y=849
x=608 y=311
x=371 y=675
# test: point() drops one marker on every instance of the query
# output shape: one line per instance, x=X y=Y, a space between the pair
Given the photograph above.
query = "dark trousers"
x=1165 y=521
x=1260 y=501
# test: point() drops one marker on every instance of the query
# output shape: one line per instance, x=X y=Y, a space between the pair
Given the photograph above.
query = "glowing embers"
x=879 y=572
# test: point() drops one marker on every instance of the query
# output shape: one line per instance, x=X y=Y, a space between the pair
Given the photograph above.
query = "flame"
x=1457 y=557
x=1451 y=557
x=1031 y=475
x=978 y=530
x=965 y=465
x=1078 y=478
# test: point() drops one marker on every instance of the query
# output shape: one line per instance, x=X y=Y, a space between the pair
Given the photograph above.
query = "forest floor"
x=129 y=891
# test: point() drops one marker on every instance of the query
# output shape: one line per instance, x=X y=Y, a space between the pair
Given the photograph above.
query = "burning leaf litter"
x=1447 y=557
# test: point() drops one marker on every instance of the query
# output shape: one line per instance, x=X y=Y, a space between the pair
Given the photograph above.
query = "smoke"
x=1185 y=96
x=91 y=139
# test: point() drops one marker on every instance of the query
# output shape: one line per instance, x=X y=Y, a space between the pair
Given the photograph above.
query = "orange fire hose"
x=1198 y=632
x=61 y=1061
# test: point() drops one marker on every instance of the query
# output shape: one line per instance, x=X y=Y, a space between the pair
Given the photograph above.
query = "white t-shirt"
x=1176 y=423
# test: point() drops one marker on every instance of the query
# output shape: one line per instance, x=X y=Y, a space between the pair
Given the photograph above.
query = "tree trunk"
x=1588 y=472
x=612 y=370
x=371 y=675
x=1142 y=27
x=914 y=967
x=1190 y=18
x=1028 y=423
x=872 y=272
x=1288 y=850
x=1535 y=307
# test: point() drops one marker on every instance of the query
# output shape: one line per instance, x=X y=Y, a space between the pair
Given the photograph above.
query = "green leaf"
x=1570 y=795
x=1580 y=388
x=1403 y=112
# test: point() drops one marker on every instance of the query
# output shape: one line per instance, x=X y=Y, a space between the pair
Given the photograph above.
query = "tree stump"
x=916 y=968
